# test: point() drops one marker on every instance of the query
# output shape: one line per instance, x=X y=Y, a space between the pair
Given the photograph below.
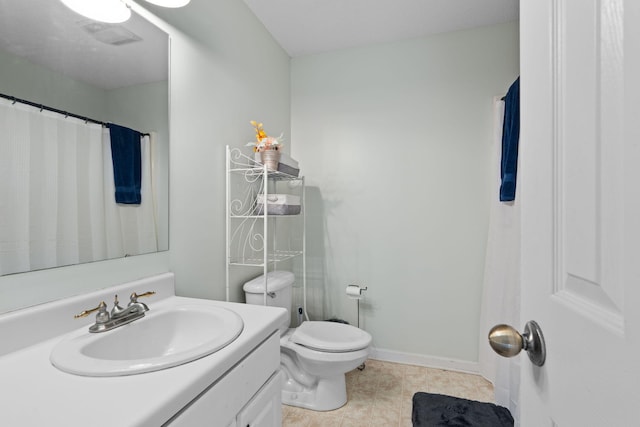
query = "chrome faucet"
x=105 y=321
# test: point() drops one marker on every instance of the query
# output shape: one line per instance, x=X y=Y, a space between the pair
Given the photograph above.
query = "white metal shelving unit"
x=258 y=239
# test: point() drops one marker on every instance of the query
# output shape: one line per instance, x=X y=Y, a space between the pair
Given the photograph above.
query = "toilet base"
x=327 y=395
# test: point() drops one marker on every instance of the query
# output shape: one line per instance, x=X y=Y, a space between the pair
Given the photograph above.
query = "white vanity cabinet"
x=237 y=385
x=246 y=396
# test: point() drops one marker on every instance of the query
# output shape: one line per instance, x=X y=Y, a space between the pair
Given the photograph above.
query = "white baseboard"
x=423 y=360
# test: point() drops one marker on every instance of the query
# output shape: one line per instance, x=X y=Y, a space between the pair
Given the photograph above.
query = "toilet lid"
x=331 y=336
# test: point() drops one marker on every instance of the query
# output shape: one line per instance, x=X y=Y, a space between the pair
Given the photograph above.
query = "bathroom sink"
x=164 y=338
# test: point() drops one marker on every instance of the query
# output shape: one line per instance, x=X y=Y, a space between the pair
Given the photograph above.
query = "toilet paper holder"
x=355 y=292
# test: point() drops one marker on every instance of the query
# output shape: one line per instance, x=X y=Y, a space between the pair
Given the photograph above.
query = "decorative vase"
x=270 y=158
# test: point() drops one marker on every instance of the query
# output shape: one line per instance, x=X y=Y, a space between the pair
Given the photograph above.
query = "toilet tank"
x=279 y=285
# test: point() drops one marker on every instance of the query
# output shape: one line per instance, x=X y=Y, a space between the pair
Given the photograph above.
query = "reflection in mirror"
x=59 y=174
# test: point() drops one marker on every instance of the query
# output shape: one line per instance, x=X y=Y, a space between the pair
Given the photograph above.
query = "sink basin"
x=162 y=339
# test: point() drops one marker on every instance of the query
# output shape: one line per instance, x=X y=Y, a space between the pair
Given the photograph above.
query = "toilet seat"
x=330 y=337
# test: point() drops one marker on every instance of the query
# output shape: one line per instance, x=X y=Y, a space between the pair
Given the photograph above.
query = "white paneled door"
x=580 y=172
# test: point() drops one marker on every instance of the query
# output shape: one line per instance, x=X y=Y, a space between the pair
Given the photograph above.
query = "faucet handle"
x=137 y=304
x=91 y=310
x=101 y=317
x=134 y=296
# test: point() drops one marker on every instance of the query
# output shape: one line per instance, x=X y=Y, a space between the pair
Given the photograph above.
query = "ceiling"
x=107 y=56
x=47 y=33
x=305 y=27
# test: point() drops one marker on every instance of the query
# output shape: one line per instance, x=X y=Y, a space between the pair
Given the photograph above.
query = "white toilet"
x=314 y=356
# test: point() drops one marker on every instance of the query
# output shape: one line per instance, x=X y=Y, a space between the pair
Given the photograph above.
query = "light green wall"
x=394 y=141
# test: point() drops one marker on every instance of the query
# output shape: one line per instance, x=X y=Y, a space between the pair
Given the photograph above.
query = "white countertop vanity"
x=236 y=385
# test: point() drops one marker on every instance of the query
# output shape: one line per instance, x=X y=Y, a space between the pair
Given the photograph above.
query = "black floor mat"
x=437 y=410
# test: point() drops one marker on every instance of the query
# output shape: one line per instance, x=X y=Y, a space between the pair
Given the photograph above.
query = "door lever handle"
x=508 y=342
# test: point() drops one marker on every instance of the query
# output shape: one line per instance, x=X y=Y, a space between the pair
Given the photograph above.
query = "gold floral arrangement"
x=264 y=142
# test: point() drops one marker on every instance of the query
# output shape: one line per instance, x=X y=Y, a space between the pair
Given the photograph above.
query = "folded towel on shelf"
x=127 y=168
x=278 y=204
x=284 y=168
x=288 y=165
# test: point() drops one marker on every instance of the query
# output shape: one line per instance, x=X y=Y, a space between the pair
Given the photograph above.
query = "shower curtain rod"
x=55 y=110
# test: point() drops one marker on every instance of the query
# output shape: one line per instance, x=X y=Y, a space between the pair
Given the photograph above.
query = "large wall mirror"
x=57 y=205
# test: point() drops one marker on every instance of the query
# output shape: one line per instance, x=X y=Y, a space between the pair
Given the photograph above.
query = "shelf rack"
x=253 y=239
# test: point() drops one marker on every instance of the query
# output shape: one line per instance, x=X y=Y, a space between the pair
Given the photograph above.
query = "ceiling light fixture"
x=169 y=3
x=112 y=11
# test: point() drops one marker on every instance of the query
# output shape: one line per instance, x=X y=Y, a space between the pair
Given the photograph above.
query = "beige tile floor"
x=380 y=395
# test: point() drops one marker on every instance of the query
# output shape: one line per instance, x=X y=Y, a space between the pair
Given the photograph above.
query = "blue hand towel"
x=127 y=170
x=510 y=138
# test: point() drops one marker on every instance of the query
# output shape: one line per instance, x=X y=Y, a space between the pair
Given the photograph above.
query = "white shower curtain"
x=57 y=204
x=501 y=291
